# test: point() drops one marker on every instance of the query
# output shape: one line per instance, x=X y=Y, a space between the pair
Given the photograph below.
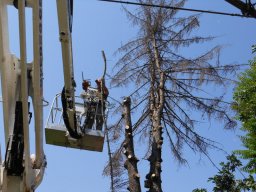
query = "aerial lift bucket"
x=57 y=134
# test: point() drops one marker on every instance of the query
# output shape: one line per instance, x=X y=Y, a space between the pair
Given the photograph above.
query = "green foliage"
x=225 y=180
x=199 y=190
x=245 y=106
x=253 y=48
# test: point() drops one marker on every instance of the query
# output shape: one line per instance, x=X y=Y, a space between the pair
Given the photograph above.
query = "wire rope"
x=177 y=8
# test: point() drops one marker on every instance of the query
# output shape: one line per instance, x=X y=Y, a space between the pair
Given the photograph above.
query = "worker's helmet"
x=99 y=81
x=86 y=84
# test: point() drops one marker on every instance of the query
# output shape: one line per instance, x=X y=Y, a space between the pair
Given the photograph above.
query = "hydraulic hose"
x=72 y=131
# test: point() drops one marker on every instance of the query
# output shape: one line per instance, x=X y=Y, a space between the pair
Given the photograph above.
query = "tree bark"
x=131 y=162
x=153 y=179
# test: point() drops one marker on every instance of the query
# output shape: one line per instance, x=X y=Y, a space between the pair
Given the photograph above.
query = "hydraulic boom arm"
x=64 y=8
x=21 y=171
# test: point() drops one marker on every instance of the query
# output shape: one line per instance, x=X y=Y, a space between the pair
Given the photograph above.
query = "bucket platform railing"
x=57 y=134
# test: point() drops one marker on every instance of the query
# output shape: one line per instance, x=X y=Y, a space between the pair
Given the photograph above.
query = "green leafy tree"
x=245 y=106
x=225 y=180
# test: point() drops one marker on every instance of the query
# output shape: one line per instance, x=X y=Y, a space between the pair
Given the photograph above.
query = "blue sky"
x=103 y=26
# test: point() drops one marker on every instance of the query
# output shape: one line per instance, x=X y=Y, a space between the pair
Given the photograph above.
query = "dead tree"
x=157 y=100
x=131 y=162
x=170 y=86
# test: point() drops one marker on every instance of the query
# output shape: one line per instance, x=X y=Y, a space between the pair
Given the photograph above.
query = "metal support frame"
x=19 y=81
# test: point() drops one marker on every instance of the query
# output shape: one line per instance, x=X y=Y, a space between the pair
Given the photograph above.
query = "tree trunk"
x=153 y=179
x=131 y=162
x=110 y=159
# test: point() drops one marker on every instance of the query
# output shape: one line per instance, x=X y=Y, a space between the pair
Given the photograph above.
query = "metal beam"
x=37 y=79
x=24 y=93
x=67 y=56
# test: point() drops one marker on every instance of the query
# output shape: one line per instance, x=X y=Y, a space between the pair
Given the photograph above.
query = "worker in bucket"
x=103 y=92
x=95 y=103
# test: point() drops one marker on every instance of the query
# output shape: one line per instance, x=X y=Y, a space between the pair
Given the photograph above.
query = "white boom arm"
x=21 y=171
x=64 y=9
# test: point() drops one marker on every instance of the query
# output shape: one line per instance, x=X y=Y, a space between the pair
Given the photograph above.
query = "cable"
x=177 y=8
